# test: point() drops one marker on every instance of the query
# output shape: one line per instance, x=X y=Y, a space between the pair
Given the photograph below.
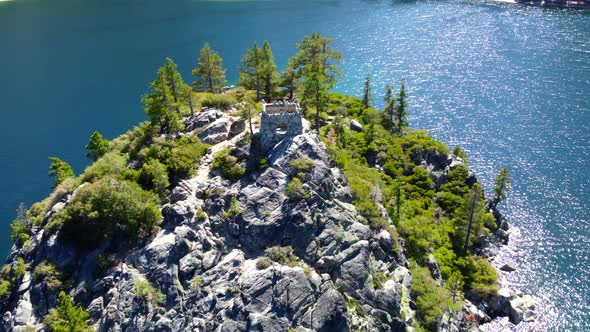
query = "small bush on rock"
x=263 y=262
x=47 y=273
x=234 y=209
x=228 y=165
x=281 y=255
x=5 y=290
x=301 y=166
x=295 y=190
x=148 y=293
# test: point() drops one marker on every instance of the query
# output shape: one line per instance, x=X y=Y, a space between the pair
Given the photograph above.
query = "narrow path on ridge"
x=205 y=166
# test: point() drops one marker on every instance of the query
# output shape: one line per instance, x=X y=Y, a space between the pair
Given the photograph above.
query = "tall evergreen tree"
x=258 y=71
x=367 y=92
x=175 y=84
x=470 y=218
x=501 y=186
x=317 y=63
x=389 y=104
x=159 y=104
x=401 y=109
x=97 y=146
x=210 y=73
x=59 y=170
x=289 y=80
x=250 y=71
x=188 y=98
x=268 y=71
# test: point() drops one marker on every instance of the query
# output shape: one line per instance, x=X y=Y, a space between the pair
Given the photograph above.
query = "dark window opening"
x=281 y=128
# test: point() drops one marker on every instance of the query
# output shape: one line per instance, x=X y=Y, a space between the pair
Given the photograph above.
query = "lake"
x=510 y=84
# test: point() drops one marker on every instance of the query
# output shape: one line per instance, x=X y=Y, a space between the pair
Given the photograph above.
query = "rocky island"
x=245 y=211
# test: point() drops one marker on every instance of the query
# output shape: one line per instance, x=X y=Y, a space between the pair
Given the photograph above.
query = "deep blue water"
x=511 y=84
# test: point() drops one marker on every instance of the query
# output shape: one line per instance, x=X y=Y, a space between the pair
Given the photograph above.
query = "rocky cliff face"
x=209 y=263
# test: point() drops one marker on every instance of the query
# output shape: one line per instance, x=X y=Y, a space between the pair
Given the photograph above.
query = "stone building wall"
x=279 y=120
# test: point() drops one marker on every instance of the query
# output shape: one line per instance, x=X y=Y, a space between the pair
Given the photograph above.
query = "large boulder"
x=356 y=126
x=215 y=132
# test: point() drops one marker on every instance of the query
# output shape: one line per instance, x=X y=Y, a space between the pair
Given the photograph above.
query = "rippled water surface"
x=510 y=84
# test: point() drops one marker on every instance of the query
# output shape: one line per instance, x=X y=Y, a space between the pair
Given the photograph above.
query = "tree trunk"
x=317 y=107
x=190 y=103
x=470 y=220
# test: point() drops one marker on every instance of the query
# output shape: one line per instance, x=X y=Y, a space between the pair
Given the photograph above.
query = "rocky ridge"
x=207 y=262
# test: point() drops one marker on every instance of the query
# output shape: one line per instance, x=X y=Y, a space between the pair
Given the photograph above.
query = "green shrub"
x=234 y=209
x=218 y=101
x=459 y=152
x=431 y=299
x=47 y=273
x=112 y=163
x=228 y=165
x=379 y=279
x=19 y=267
x=180 y=156
x=105 y=209
x=353 y=307
x=67 y=317
x=200 y=215
x=263 y=262
x=20 y=228
x=301 y=166
x=153 y=176
x=5 y=290
x=479 y=276
x=132 y=141
x=148 y=293
x=295 y=190
x=281 y=255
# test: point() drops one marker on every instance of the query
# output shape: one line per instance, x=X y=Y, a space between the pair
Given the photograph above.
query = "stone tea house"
x=279 y=120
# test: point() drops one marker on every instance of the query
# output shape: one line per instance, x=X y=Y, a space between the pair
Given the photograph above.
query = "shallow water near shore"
x=508 y=83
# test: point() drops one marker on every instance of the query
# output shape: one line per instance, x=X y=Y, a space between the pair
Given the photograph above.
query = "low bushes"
x=148 y=293
x=228 y=165
x=107 y=209
x=48 y=273
x=218 y=101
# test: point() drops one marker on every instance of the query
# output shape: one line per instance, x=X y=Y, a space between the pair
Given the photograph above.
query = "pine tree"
x=210 y=73
x=317 y=63
x=159 y=104
x=268 y=71
x=501 y=186
x=401 y=109
x=389 y=104
x=470 y=218
x=188 y=98
x=250 y=71
x=67 y=317
x=97 y=146
x=60 y=170
x=367 y=92
x=289 y=80
x=175 y=83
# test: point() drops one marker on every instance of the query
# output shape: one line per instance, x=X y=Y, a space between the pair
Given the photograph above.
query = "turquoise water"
x=511 y=84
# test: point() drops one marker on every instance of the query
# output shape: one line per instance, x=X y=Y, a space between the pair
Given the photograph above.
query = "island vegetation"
x=117 y=200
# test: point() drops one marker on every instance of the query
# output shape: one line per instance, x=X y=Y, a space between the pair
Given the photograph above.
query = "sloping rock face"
x=206 y=262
